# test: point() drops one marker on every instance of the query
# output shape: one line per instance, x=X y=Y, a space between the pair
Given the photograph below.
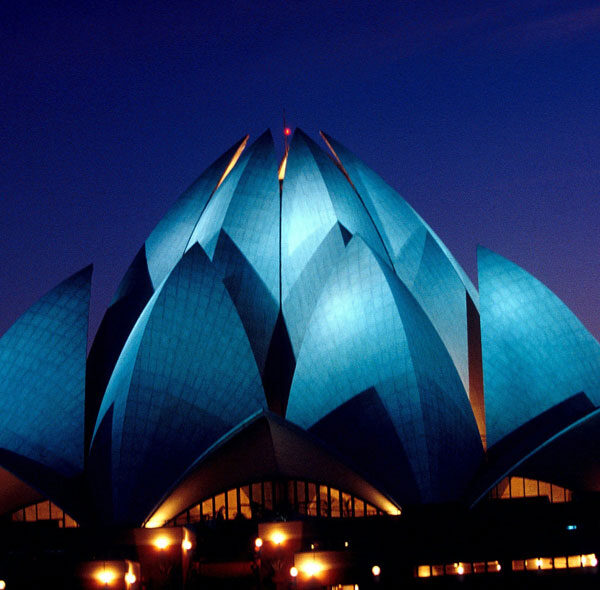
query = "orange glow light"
x=376 y=570
x=2 y=584
x=287 y=131
x=105 y=576
x=293 y=571
x=258 y=543
x=130 y=578
x=311 y=568
x=278 y=538
x=161 y=543
x=186 y=544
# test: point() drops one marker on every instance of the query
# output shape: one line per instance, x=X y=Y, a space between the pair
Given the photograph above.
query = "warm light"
x=311 y=568
x=186 y=544
x=460 y=570
x=287 y=131
x=154 y=523
x=2 y=584
x=233 y=162
x=258 y=543
x=375 y=570
x=583 y=560
x=130 y=578
x=538 y=562
x=106 y=577
x=161 y=543
x=293 y=571
x=278 y=538
x=346 y=544
x=593 y=561
x=498 y=567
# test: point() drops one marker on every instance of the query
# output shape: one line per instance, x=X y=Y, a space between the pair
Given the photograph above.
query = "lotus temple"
x=297 y=386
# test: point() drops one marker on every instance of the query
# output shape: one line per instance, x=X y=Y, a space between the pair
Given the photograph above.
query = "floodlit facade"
x=294 y=342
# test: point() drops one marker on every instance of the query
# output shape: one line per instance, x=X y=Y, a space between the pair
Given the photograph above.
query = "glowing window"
x=195 y=513
x=207 y=509
x=323 y=501
x=437 y=570
x=245 y=508
x=479 y=567
x=560 y=563
x=334 y=505
x=359 y=507
x=346 y=505
x=311 y=508
x=518 y=565
x=516 y=487
x=301 y=491
x=574 y=561
x=220 y=506
x=493 y=566
x=232 y=504
x=423 y=571
x=531 y=488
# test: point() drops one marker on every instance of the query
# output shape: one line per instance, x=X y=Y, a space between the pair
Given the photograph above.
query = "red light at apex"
x=287 y=131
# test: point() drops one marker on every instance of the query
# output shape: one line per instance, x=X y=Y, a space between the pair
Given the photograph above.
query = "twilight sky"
x=484 y=116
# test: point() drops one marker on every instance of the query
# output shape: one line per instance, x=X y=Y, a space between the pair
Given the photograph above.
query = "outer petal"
x=185 y=377
x=536 y=353
x=420 y=258
x=42 y=378
x=368 y=334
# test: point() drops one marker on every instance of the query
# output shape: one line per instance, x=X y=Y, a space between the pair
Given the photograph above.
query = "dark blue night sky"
x=484 y=116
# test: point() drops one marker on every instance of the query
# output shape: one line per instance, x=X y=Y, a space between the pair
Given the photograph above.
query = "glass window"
x=531 y=487
x=69 y=522
x=423 y=571
x=323 y=501
x=518 y=565
x=479 y=567
x=589 y=560
x=437 y=570
x=371 y=510
x=558 y=494
x=334 y=502
x=504 y=489
x=232 y=504
x=493 y=566
x=43 y=511
x=245 y=508
x=301 y=492
x=346 y=505
x=516 y=487
x=359 y=507
x=560 y=563
x=220 y=506
x=545 y=490
x=207 y=509
x=19 y=515
x=55 y=512
x=574 y=561
x=195 y=513
x=30 y=513
x=311 y=508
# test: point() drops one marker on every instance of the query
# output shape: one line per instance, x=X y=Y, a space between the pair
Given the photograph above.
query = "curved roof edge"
x=289 y=453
